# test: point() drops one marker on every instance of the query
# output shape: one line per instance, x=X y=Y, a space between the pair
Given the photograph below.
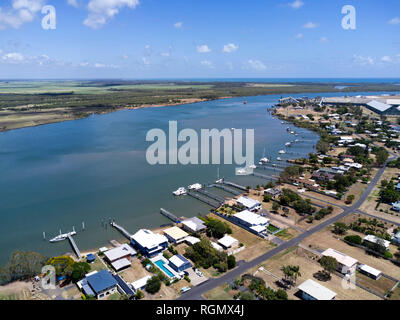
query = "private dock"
x=225 y=188
x=228 y=183
x=170 y=215
x=263 y=176
x=75 y=247
x=197 y=196
x=121 y=229
x=211 y=195
x=271 y=168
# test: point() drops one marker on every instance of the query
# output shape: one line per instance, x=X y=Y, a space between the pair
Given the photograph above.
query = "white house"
x=346 y=264
x=311 y=290
x=193 y=225
x=228 y=242
x=121 y=252
x=141 y=283
x=374 y=239
x=249 y=204
x=149 y=243
x=252 y=221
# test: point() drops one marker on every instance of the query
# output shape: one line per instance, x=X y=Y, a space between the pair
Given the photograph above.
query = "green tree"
x=329 y=264
x=339 y=228
x=153 y=285
x=231 y=262
x=246 y=296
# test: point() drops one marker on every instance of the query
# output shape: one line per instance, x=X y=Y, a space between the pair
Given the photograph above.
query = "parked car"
x=185 y=289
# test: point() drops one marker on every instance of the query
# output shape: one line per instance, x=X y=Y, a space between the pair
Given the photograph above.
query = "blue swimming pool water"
x=160 y=264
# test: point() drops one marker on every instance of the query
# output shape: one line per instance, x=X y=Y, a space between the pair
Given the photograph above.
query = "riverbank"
x=12 y=120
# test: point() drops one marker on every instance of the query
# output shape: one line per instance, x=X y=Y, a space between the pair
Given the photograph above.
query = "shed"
x=141 y=283
x=121 y=264
x=370 y=272
x=228 y=242
x=312 y=290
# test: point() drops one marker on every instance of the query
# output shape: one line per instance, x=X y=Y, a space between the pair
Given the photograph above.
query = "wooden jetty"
x=75 y=247
x=170 y=215
x=121 y=229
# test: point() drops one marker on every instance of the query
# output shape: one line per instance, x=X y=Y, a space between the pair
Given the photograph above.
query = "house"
x=346 y=139
x=193 y=225
x=140 y=284
x=191 y=240
x=122 y=252
x=311 y=290
x=149 y=243
x=371 y=239
x=324 y=175
x=100 y=284
x=216 y=246
x=273 y=192
x=370 y=272
x=228 y=242
x=175 y=234
x=252 y=221
x=179 y=263
x=249 y=204
x=346 y=264
x=120 y=264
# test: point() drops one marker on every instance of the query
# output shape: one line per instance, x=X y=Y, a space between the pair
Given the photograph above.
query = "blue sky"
x=199 y=39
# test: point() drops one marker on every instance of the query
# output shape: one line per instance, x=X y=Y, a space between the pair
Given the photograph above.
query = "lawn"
x=381 y=286
x=223 y=292
x=272 y=228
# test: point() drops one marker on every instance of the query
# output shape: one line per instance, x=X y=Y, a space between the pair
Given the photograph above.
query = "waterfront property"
x=122 y=252
x=175 y=235
x=163 y=264
x=179 y=263
x=193 y=225
x=249 y=204
x=273 y=192
x=346 y=264
x=311 y=290
x=252 y=221
x=149 y=243
x=100 y=284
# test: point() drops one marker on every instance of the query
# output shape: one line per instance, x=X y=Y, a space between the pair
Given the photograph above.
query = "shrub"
x=354 y=239
x=388 y=255
x=153 y=285
x=231 y=262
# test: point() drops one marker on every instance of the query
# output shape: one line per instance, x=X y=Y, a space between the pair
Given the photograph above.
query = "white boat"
x=180 y=192
x=242 y=171
x=288 y=144
x=297 y=140
x=291 y=132
x=196 y=186
x=264 y=160
x=62 y=237
x=279 y=159
x=253 y=167
x=219 y=181
x=282 y=152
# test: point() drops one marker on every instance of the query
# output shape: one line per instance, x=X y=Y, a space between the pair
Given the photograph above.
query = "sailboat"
x=63 y=236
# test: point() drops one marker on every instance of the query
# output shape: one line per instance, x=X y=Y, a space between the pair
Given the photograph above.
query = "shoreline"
x=24 y=125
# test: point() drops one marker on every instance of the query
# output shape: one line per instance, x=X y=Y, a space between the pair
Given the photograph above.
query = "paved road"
x=197 y=292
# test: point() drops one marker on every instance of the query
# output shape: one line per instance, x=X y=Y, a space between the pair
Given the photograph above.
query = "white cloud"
x=323 y=40
x=361 y=60
x=102 y=66
x=100 y=11
x=178 y=25
x=13 y=57
x=297 y=4
x=230 y=47
x=207 y=63
x=310 y=25
x=165 y=54
x=21 y=12
x=203 y=49
x=386 y=59
x=299 y=36
x=230 y=65
x=73 y=3
x=395 y=20
x=256 y=65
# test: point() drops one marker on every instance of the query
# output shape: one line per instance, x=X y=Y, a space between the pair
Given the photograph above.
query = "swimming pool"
x=160 y=264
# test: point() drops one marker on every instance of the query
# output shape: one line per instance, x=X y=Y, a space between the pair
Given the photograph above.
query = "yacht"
x=282 y=152
x=279 y=159
x=253 y=166
x=220 y=181
x=180 y=192
x=264 y=160
x=241 y=171
x=62 y=237
x=288 y=144
x=196 y=186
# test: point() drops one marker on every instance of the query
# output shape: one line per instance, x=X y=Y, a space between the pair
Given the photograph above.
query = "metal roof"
x=317 y=291
x=101 y=281
x=380 y=106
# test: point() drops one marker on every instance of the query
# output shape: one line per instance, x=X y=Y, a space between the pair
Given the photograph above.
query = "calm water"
x=56 y=176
